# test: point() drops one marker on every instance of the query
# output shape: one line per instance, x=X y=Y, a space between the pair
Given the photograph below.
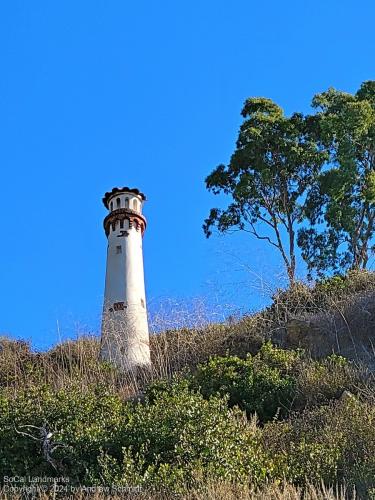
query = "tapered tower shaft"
x=125 y=336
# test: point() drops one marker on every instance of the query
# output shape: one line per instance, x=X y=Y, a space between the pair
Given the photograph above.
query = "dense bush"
x=271 y=383
x=108 y=440
x=258 y=384
x=182 y=435
x=344 y=285
x=319 y=381
x=178 y=438
x=335 y=442
x=190 y=430
x=82 y=422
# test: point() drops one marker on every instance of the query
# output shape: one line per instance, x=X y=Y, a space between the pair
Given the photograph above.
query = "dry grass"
x=214 y=491
x=338 y=321
x=176 y=349
x=225 y=491
x=172 y=350
x=335 y=317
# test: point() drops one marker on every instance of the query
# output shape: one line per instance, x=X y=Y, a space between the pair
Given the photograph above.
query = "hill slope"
x=228 y=410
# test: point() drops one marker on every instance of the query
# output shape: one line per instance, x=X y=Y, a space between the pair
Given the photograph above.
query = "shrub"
x=190 y=435
x=16 y=362
x=301 y=298
x=287 y=361
x=82 y=422
x=320 y=381
x=333 y=443
x=298 y=299
x=340 y=286
x=276 y=381
x=258 y=384
x=171 y=441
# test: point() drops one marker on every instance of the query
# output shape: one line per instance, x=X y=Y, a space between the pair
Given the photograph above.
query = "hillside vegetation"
x=279 y=404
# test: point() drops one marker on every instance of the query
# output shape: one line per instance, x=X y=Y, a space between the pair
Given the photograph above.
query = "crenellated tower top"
x=109 y=195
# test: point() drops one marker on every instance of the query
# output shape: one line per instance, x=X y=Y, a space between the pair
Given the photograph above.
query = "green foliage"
x=341 y=203
x=284 y=360
x=275 y=381
x=172 y=428
x=317 y=169
x=331 y=443
x=274 y=163
x=258 y=384
x=106 y=439
x=345 y=285
x=84 y=423
x=298 y=458
x=198 y=428
x=324 y=380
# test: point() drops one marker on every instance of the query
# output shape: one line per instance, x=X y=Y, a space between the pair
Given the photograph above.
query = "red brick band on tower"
x=135 y=219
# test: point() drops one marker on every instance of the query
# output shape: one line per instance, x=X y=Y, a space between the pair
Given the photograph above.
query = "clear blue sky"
x=96 y=94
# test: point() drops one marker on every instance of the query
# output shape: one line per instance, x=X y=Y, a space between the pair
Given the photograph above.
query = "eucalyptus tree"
x=275 y=162
x=340 y=205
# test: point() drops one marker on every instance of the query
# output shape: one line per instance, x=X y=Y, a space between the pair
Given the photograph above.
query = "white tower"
x=125 y=337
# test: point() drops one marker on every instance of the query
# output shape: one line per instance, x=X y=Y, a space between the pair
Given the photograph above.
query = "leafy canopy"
x=341 y=203
x=274 y=163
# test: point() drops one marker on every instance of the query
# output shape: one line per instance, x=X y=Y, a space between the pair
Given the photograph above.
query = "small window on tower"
x=111 y=205
x=119 y=249
x=135 y=206
x=126 y=202
x=122 y=224
x=118 y=203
